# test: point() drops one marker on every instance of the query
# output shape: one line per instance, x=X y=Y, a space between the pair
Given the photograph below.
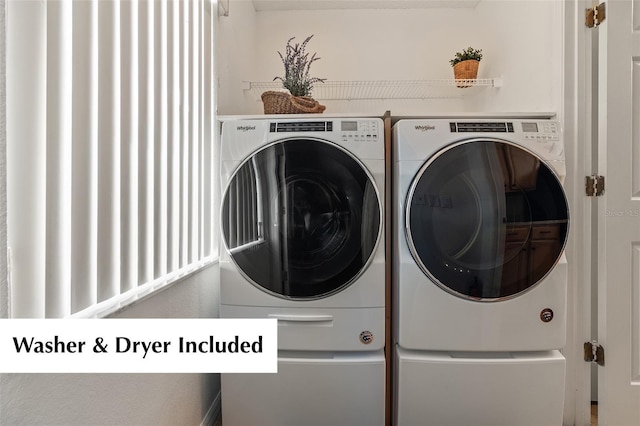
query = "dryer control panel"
x=541 y=130
x=544 y=136
x=533 y=130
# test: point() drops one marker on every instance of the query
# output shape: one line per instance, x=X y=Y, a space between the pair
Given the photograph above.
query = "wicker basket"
x=466 y=71
x=284 y=103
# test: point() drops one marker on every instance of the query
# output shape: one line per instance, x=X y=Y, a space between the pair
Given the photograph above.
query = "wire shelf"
x=385 y=89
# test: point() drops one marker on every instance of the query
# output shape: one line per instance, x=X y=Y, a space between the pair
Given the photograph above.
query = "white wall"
x=3 y=169
x=125 y=399
x=524 y=46
x=236 y=43
x=521 y=41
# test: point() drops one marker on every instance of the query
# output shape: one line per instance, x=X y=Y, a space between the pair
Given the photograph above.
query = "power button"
x=546 y=315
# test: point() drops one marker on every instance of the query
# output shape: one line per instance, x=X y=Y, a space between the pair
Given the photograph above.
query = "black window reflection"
x=486 y=219
x=301 y=218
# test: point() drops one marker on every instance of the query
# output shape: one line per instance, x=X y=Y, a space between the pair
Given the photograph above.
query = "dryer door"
x=301 y=218
x=486 y=219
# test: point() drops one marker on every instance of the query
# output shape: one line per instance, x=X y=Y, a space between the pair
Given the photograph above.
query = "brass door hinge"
x=594 y=185
x=593 y=352
x=594 y=16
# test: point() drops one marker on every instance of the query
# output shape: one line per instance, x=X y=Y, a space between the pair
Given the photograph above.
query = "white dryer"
x=302 y=241
x=480 y=223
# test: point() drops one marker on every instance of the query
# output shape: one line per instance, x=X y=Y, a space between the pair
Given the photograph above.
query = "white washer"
x=480 y=225
x=303 y=242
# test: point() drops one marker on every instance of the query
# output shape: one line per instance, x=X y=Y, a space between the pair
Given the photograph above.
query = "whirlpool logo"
x=425 y=128
x=245 y=128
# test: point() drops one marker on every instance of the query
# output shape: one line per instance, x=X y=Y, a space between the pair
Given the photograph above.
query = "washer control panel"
x=359 y=131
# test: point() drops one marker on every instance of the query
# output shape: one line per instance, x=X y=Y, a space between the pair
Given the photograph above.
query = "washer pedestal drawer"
x=310 y=389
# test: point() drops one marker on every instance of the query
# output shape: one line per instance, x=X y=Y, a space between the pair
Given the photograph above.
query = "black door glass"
x=301 y=218
x=486 y=219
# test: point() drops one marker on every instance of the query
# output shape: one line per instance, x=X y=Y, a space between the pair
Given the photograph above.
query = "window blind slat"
x=26 y=105
x=108 y=150
x=146 y=137
x=205 y=140
x=84 y=155
x=195 y=157
x=215 y=147
x=58 y=199
x=184 y=148
x=193 y=132
x=129 y=152
x=160 y=148
x=173 y=99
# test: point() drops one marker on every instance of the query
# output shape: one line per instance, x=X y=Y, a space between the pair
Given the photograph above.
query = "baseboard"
x=213 y=413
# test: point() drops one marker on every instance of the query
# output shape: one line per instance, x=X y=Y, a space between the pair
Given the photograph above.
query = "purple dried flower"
x=297 y=65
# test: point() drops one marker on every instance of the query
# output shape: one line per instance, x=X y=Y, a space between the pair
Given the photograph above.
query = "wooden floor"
x=594 y=416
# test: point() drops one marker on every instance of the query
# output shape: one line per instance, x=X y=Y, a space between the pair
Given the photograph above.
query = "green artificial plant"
x=468 y=53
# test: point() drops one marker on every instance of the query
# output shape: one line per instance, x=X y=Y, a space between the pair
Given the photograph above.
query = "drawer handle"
x=302 y=318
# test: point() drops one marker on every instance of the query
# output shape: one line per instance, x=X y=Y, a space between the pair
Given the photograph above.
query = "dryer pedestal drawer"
x=453 y=389
x=310 y=389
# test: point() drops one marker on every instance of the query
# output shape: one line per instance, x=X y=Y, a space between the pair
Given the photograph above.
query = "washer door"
x=486 y=219
x=301 y=218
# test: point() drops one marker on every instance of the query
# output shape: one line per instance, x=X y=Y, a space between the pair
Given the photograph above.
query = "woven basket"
x=466 y=71
x=284 y=103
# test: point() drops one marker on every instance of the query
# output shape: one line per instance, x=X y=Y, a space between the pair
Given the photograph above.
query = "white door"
x=619 y=214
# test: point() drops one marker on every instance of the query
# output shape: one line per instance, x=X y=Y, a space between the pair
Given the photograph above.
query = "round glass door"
x=301 y=218
x=486 y=220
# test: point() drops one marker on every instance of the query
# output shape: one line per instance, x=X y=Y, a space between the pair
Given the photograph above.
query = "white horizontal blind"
x=109 y=150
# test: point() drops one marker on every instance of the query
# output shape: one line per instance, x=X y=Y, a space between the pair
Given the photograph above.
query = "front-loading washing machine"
x=302 y=235
x=480 y=225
